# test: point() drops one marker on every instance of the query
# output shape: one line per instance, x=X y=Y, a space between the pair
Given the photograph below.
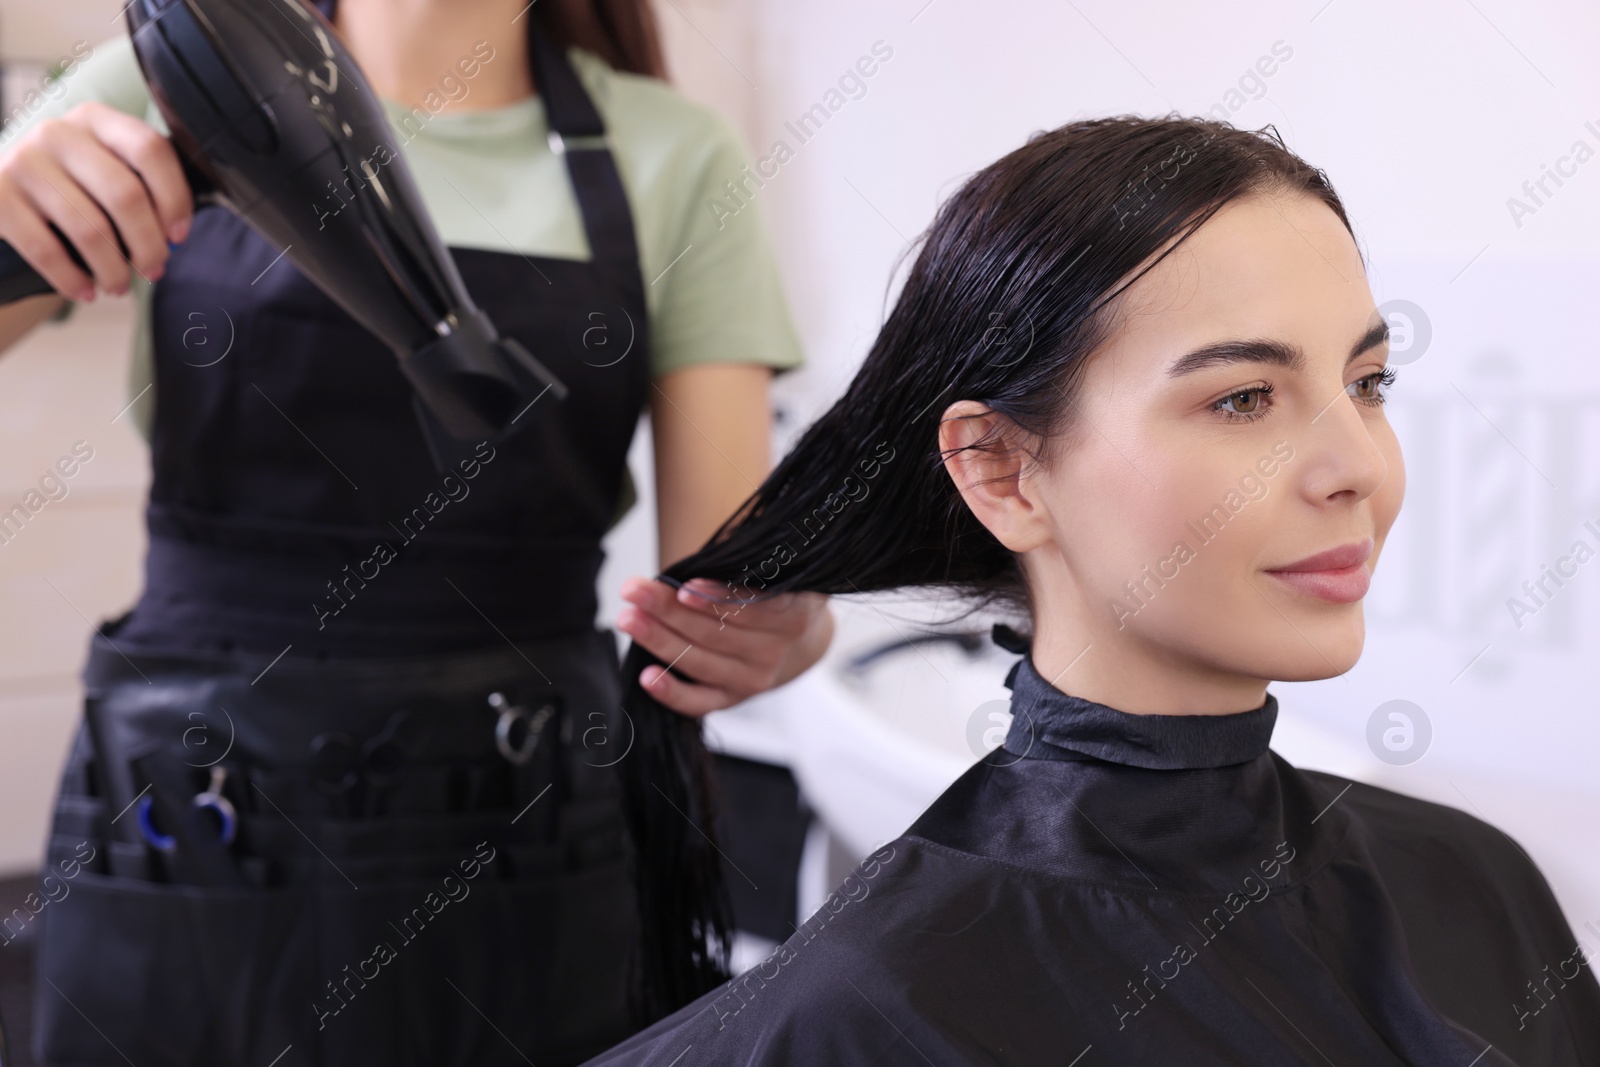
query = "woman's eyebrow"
x=1278 y=353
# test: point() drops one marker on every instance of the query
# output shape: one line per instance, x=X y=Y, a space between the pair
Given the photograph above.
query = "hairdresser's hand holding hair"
x=732 y=650
x=723 y=647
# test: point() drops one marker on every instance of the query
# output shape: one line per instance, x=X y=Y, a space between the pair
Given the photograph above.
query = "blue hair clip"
x=147 y=827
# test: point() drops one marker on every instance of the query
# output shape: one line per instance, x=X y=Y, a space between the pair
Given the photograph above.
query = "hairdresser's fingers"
x=782 y=635
x=732 y=650
x=774 y=660
x=738 y=676
x=745 y=672
x=90 y=159
x=718 y=630
x=116 y=159
x=25 y=228
x=724 y=606
x=50 y=195
x=782 y=613
x=686 y=698
x=794 y=629
x=151 y=155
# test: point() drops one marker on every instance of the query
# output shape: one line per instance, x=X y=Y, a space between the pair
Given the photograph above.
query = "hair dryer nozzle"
x=474 y=385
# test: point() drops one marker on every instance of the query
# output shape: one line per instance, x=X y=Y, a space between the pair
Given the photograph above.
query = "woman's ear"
x=984 y=455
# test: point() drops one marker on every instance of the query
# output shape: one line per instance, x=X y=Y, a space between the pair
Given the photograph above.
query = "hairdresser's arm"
x=712 y=425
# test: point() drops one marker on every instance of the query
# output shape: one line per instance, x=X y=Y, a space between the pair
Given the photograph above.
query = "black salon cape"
x=1110 y=888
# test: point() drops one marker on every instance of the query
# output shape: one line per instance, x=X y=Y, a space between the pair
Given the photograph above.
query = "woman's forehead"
x=1263 y=266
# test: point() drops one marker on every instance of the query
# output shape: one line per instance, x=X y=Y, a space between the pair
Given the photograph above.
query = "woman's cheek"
x=1391 y=495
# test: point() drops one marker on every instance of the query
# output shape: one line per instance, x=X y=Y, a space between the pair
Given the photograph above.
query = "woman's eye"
x=1372 y=388
x=1249 y=403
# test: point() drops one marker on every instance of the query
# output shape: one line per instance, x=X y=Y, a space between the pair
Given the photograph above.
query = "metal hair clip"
x=509 y=714
x=578 y=142
x=213 y=800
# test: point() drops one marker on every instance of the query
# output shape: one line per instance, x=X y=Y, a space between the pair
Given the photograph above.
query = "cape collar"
x=1050 y=724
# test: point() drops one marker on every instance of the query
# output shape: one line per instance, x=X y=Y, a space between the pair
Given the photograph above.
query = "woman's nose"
x=1344 y=458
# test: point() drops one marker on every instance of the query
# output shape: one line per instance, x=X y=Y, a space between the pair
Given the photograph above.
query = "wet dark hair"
x=1011 y=292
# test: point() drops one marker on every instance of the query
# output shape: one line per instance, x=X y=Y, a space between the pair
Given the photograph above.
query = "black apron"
x=346 y=790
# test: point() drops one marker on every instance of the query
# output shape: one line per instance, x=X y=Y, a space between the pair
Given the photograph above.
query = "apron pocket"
x=402 y=836
x=78 y=817
x=382 y=850
x=173 y=974
x=483 y=971
x=131 y=860
x=590 y=814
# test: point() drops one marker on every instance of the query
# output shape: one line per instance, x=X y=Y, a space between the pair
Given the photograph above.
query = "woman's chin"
x=1311 y=648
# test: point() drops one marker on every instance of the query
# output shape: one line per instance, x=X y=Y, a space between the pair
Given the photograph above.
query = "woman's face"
x=1229 y=429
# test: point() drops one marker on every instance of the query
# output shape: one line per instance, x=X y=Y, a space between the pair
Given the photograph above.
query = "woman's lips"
x=1342 y=586
x=1338 y=584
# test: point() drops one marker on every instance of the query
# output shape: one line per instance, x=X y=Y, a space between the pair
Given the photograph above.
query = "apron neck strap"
x=579 y=133
x=567 y=107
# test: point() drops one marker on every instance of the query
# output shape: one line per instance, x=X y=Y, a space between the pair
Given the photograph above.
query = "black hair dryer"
x=266 y=108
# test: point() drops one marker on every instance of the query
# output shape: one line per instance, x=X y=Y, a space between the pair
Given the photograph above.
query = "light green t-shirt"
x=490 y=180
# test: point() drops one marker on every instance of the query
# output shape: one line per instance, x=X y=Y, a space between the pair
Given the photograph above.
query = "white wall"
x=76 y=562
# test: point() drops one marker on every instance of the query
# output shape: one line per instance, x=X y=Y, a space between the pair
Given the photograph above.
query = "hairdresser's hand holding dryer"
x=349 y=674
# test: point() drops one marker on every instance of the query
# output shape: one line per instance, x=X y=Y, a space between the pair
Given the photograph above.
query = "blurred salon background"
x=1463 y=136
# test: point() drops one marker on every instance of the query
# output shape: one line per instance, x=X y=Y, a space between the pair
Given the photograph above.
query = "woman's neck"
x=1079 y=652
x=409 y=49
x=1138 y=682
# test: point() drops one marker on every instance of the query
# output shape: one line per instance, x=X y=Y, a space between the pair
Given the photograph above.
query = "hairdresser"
x=355 y=763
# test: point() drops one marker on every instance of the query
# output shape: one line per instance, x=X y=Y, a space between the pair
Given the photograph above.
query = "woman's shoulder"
x=1437 y=844
x=1402 y=819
